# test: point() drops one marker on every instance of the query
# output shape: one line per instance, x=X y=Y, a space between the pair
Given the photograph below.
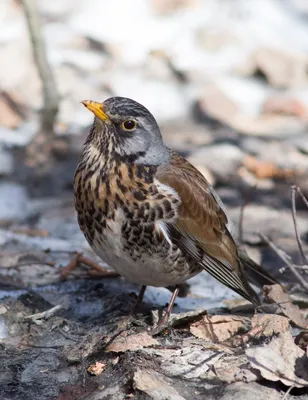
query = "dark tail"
x=255 y=273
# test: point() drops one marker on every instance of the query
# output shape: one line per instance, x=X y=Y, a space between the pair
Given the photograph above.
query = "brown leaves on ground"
x=267 y=170
x=97 y=368
x=271 y=324
x=282 y=360
x=218 y=328
x=155 y=385
x=127 y=341
x=275 y=294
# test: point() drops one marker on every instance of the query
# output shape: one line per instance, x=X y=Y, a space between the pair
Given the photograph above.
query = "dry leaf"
x=264 y=169
x=155 y=385
x=271 y=324
x=233 y=368
x=97 y=368
x=218 y=328
x=132 y=342
x=275 y=293
x=281 y=360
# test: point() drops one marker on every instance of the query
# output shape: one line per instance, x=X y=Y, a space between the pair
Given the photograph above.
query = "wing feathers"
x=200 y=229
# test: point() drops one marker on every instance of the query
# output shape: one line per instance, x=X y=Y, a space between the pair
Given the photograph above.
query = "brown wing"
x=201 y=227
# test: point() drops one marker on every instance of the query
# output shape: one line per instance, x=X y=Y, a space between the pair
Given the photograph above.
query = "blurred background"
x=226 y=80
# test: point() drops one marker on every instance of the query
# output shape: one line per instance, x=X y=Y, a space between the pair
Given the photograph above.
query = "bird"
x=150 y=214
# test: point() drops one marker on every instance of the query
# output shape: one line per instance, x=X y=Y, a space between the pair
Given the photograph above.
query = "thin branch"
x=286 y=259
x=45 y=314
x=302 y=196
x=298 y=238
x=50 y=94
x=288 y=392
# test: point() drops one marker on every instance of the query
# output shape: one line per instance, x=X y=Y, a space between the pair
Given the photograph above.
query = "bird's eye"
x=129 y=125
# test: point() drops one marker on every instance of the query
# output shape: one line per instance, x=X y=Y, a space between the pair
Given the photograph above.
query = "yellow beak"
x=96 y=108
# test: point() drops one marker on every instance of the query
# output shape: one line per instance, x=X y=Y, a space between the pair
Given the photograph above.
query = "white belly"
x=149 y=270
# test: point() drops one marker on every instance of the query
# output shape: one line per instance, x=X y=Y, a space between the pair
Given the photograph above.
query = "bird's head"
x=127 y=131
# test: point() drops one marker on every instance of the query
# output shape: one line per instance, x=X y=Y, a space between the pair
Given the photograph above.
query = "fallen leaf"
x=275 y=293
x=271 y=324
x=234 y=368
x=262 y=325
x=282 y=360
x=218 y=328
x=265 y=169
x=97 y=368
x=155 y=385
x=190 y=361
x=131 y=342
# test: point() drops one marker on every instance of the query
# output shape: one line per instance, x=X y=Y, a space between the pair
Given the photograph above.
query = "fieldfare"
x=147 y=212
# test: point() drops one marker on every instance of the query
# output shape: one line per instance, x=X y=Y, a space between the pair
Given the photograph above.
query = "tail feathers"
x=255 y=273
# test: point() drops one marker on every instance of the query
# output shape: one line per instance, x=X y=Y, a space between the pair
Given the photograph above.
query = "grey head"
x=128 y=130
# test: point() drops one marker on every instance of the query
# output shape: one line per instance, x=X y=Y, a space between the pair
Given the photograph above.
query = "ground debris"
x=97 y=368
x=155 y=385
x=275 y=293
x=271 y=324
x=218 y=328
x=127 y=341
x=282 y=360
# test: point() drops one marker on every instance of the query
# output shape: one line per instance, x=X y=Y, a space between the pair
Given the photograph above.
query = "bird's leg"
x=165 y=317
x=139 y=299
x=96 y=269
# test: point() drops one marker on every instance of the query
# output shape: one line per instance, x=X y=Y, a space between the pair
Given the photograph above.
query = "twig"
x=287 y=392
x=96 y=269
x=302 y=196
x=45 y=314
x=50 y=94
x=286 y=259
x=298 y=238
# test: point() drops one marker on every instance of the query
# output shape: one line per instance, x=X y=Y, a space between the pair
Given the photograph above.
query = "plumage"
x=147 y=211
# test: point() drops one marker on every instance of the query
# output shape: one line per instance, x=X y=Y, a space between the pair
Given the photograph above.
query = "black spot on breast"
x=139 y=171
x=159 y=212
x=167 y=205
x=141 y=212
x=130 y=172
x=108 y=191
x=88 y=221
x=122 y=187
x=139 y=195
x=118 y=199
x=148 y=228
x=152 y=214
x=106 y=204
x=128 y=213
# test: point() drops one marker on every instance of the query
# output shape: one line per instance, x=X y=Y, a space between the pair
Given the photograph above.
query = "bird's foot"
x=161 y=325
